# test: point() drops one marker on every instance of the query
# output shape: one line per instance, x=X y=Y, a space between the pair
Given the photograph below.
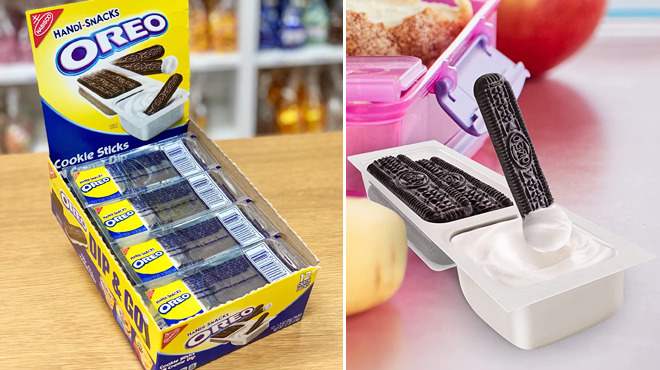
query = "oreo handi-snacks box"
x=161 y=219
x=96 y=103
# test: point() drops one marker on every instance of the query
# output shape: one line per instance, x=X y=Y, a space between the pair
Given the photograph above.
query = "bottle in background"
x=198 y=108
x=316 y=21
x=292 y=32
x=335 y=102
x=266 y=108
x=7 y=36
x=18 y=132
x=269 y=24
x=313 y=108
x=336 y=22
x=3 y=122
x=224 y=26
x=199 y=26
x=289 y=115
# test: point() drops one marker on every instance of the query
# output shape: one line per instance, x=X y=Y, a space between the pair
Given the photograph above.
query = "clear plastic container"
x=167 y=204
x=221 y=279
x=132 y=172
x=440 y=105
x=171 y=249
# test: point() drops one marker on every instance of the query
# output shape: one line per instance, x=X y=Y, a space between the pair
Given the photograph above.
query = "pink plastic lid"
x=381 y=79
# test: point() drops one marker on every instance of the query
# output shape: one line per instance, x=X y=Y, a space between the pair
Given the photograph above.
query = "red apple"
x=544 y=33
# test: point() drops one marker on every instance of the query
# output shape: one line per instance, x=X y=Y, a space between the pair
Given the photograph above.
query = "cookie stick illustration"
x=166 y=66
x=150 y=53
x=165 y=94
x=76 y=235
x=545 y=226
x=100 y=86
x=258 y=323
x=220 y=336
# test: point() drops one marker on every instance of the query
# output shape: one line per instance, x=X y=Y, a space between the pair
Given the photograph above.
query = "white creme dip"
x=547 y=229
x=504 y=255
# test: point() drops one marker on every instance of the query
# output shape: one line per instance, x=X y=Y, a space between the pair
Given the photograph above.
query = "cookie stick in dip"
x=164 y=95
x=545 y=226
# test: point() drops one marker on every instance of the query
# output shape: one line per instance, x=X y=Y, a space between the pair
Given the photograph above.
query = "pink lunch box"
x=394 y=101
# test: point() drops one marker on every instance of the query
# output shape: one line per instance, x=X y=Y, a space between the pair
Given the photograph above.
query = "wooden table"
x=52 y=317
x=595 y=127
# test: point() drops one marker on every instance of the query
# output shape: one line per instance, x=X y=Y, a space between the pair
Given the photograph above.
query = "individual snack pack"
x=120 y=176
x=169 y=203
x=171 y=249
x=227 y=277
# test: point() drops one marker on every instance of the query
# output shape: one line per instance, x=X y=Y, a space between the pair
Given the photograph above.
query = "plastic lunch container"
x=529 y=317
x=436 y=105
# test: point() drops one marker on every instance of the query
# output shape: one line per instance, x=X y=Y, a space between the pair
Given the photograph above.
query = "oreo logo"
x=92 y=185
x=454 y=180
x=138 y=264
x=115 y=220
x=520 y=150
x=412 y=179
x=169 y=305
x=81 y=54
x=43 y=25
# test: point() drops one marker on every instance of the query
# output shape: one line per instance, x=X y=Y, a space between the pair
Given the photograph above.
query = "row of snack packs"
x=185 y=233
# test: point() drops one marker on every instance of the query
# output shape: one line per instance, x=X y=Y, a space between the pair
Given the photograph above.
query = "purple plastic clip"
x=454 y=88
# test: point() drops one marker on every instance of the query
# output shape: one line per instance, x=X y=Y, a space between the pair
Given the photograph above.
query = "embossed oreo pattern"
x=512 y=143
x=430 y=200
x=165 y=94
x=108 y=84
x=126 y=83
x=149 y=67
x=150 y=53
x=483 y=197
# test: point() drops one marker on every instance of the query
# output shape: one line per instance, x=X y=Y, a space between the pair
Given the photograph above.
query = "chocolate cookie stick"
x=101 y=86
x=432 y=201
x=151 y=67
x=150 y=53
x=257 y=311
x=512 y=143
x=165 y=94
x=227 y=332
x=126 y=83
x=484 y=198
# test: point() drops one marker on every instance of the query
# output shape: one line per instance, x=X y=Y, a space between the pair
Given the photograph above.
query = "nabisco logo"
x=42 y=23
x=170 y=335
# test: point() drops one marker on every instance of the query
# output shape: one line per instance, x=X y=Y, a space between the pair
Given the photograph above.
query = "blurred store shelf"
x=306 y=56
x=214 y=62
x=17 y=74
